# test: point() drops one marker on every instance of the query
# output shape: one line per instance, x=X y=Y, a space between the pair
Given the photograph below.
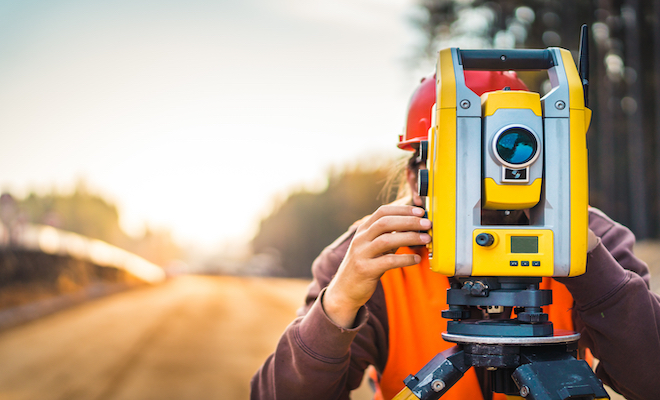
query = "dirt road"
x=191 y=338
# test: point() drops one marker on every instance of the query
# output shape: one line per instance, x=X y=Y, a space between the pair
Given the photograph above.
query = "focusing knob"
x=423 y=151
x=485 y=239
x=423 y=182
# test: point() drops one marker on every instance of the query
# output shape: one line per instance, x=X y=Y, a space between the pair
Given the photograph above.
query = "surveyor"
x=374 y=304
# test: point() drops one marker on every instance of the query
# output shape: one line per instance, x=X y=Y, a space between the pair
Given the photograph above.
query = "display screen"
x=524 y=244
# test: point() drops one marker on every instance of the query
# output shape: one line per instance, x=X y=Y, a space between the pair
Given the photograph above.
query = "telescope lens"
x=516 y=146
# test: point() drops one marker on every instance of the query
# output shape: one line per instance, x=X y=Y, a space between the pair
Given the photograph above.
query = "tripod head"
x=498 y=295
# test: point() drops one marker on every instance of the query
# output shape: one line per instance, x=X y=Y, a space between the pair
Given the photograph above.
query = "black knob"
x=455 y=312
x=479 y=289
x=485 y=239
x=423 y=182
x=423 y=151
x=532 y=315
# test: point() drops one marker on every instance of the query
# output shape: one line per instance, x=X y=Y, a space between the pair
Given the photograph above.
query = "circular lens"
x=516 y=146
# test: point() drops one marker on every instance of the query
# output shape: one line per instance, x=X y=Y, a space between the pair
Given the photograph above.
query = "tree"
x=306 y=222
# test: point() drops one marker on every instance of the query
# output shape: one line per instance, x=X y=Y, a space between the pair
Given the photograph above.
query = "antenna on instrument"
x=583 y=61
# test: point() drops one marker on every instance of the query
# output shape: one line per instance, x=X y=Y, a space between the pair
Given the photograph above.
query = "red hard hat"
x=421 y=103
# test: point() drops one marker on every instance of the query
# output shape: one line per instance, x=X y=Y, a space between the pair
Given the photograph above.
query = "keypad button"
x=513 y=263
x=536 y=263
x=524 y=263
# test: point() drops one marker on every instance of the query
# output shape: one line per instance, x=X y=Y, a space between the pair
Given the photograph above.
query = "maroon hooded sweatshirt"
x=615 y=312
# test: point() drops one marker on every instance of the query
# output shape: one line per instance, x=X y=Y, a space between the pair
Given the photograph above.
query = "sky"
x=194 y=115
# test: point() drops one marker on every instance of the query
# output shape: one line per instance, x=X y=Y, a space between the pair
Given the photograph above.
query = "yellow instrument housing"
x=509 y=197
x=500 y=259
x=493 y=101
x=556 y=200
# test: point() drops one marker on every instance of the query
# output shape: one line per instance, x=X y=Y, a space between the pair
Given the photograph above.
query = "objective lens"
x=516 y=146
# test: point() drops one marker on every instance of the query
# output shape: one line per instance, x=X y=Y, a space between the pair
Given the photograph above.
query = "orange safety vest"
x=415 y=297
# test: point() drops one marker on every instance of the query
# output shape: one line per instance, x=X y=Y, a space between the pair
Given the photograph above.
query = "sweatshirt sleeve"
x=317 y=359
x=616 y=313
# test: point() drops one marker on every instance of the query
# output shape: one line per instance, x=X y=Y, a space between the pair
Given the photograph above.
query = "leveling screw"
x=437 y=385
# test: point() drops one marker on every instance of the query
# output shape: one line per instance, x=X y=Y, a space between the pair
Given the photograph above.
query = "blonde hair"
x=396 y=186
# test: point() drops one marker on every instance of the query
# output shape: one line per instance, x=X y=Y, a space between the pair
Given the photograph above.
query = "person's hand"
x=370 y=255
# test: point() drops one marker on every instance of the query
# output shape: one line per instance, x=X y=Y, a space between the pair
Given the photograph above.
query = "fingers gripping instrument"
x=507 y=150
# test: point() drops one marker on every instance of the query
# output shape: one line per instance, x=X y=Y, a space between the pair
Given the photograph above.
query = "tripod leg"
x=405 y=394
x=436 y=377
x=558 y=380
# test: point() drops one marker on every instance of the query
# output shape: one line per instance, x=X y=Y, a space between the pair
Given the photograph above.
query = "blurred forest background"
x=303 y=224
x=90 y=215
x=624 y=138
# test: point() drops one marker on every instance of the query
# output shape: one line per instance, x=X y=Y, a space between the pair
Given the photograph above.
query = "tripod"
x=524 y=355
